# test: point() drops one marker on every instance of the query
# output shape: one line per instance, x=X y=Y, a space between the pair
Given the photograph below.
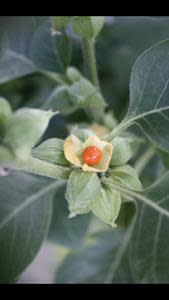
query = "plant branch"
x=90 y=60
x=131 y=195
x=32 y=165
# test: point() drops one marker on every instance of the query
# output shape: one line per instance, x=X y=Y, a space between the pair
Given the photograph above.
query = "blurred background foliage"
x=121 y=41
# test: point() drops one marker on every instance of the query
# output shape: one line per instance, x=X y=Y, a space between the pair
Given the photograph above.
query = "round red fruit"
x=92 y=155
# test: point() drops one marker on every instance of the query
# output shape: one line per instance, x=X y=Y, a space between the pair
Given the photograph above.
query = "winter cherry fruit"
x=92 y=155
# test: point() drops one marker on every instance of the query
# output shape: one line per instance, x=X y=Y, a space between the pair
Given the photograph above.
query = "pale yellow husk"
x=73 y=148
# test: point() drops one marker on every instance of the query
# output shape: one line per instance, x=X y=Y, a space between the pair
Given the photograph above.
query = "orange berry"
x=92 y=155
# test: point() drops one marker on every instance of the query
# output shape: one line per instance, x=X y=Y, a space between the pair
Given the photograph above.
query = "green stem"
x=118 y=130
x=33 y=165
x=144 y=159
x=95 y=113
x=90 y=60
x=134 y=195
x=57 y=78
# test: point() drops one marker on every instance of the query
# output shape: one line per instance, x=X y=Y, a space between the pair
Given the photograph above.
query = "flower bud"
x=59 y=22
x=25 y=128
x=5 y=113
x=87 y=27
x=73 y=74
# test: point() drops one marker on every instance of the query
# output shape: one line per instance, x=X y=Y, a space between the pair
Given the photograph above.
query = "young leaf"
x=81 y=190
x=25 y=213
x=106 y=205
x=80 y=94
x=52 y=151
x=61 y=100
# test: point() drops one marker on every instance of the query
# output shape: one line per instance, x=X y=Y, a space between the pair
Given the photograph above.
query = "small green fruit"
x=87 y=27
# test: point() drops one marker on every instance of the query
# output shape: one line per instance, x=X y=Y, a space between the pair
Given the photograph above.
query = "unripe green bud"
x=73 y=74
x=87 y=27
x=59 y=22
x=25 y=128
x=5 y=113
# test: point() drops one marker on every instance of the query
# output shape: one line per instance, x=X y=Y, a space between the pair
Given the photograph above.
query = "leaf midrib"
x=29 y=201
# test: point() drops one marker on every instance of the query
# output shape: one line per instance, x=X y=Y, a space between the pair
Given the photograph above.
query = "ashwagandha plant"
x=97 y=167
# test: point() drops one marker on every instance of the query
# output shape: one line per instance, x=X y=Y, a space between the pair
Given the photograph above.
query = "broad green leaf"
x=27 y=46
x=15 y=36
x=149 y=87
x=138 y=255
x=99 y=255
x=81 y=190
x=51 y=150
x=25 y=213
x=50 y=52
x=64 y=231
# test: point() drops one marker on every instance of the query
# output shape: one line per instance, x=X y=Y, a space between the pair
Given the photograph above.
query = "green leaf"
x=25 y=128
x=80 y=94
x=85 y=93
x=87 y=27
x=97 y=258
x=25 y=213
x=64 y=231
x=63 y=50
x=52 y=151
x=16 y=34
x=5 y=113
x=50 y=52
x=27 y=46
x=149 y=87
x=148 y=245
x=106 y=205
x=81 y=190
x=61 y=100
x=126 y=176
x=138 y=254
